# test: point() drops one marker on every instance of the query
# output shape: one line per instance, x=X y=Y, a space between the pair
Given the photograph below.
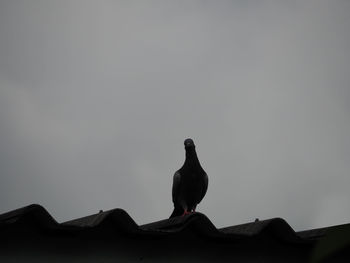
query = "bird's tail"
x=178 y=211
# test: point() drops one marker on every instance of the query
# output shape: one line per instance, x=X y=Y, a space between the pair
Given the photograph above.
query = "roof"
x=37 y=216
x=117 y=223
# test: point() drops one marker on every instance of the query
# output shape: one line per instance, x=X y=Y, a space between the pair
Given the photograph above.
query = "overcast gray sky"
x=96 y=98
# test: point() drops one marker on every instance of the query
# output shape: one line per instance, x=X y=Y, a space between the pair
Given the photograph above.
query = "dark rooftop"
x=118 y=222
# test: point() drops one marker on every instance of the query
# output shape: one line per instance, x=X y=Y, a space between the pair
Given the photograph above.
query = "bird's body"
x=190 y=183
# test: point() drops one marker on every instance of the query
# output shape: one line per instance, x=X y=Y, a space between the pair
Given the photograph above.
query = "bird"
x=190 y=183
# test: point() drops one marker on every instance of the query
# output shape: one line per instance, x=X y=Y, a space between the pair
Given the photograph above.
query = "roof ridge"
x=35 y=212
x=119 y=220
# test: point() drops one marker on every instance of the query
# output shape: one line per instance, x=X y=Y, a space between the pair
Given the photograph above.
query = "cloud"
x=97 y=98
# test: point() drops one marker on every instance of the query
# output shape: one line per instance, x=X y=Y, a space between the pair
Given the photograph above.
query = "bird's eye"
x=188 y=142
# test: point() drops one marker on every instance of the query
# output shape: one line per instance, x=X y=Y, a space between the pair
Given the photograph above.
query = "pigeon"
x=190 y=183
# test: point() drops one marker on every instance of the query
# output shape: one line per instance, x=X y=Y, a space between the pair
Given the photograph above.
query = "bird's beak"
x=187 y=145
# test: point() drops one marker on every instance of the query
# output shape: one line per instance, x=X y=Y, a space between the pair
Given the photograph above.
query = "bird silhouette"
x=190 y=183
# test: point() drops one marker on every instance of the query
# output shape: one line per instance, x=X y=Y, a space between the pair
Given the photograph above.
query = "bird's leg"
x=194 y=209
x=186 y=212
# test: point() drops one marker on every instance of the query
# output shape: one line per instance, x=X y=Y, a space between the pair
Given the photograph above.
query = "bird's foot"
x=186 y=213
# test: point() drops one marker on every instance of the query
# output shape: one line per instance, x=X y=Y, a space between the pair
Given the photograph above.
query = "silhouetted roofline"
x=271 y=238
x=37 y=217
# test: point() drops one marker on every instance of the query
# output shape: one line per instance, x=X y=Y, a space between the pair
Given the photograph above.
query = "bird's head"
x=189 y=143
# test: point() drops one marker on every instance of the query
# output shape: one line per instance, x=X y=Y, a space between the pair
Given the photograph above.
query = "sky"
x=97 y=97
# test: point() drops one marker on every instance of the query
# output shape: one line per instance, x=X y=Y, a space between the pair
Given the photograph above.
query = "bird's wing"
x=205 y=186
x=176 y=185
